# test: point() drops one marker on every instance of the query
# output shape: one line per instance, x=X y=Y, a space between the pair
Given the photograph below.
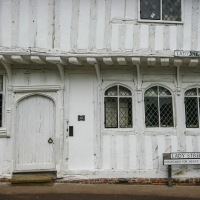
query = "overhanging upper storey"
x=143 y=58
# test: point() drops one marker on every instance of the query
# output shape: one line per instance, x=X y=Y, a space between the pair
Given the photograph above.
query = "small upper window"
x=192 y=104
x=161 y=10
x=118 y=107
x=158 y=107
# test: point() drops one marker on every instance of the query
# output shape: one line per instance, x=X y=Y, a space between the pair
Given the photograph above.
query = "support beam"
x=98 y=73
x=136 y=60
x=75 y=61
x=38 y=60
x=178 y=63
x=91 y=61
x=20 y=59
x=121 y=61
x=108 y=61
x=7 y=65
x=151 y=62
x=56 y=60
x=164 y=62
x=62 y=73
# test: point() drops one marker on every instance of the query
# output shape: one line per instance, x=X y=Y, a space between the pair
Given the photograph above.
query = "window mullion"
x=158 y=108
x=161 y=10
x=198 y=110
x=118 y=112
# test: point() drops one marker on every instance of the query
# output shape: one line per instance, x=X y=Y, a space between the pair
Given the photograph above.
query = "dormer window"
x=161 y=10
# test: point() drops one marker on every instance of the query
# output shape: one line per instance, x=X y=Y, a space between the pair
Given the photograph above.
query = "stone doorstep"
x=20 y=179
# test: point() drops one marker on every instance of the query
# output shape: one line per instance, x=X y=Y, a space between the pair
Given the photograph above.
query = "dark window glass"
x=171 y=10
x=191 y=112
x=158 y=107
x=166 y=112
x=125 y=112
x=111 y=112
x=151 y=10
x=151 y=112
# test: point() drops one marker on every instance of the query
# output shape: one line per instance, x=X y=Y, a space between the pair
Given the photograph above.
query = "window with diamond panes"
x=158 y=107
x=163 y=10
x=192 y=106
x=118 y=107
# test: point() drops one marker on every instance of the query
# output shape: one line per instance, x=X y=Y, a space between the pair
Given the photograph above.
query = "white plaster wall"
x=93 y=26
x=35 y=77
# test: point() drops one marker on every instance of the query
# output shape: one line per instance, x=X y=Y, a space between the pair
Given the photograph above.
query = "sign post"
x=179 y=158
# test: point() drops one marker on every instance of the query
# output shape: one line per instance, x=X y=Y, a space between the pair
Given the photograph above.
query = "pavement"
x=98 y=192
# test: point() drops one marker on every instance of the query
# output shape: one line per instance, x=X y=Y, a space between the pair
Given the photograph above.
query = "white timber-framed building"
x=99 y=88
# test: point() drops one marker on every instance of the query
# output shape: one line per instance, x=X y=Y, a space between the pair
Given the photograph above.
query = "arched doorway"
x=35 y=128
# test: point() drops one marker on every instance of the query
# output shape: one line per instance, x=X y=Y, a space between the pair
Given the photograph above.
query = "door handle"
x=50 y=141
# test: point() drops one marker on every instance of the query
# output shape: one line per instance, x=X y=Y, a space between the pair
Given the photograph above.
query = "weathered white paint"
x=132 y=155
x=83 y=29
x=67 y=25
x=144 y=35
x=42 y=24
x=106 y=152
x=89 y=46
x=159 y=38
x=187 y=26
x=173 y=33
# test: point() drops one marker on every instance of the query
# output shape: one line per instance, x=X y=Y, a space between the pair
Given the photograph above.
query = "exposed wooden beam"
x=121 y=61
x=38 y=60
x=75 y=61
x=164 y=62
x=91 y=61
x=178 y=62
x=20 y=59
x=56 y=60
x=108 y=61
x=193 y=62
x=136 y=60
x=7 y=65
x=151 y=62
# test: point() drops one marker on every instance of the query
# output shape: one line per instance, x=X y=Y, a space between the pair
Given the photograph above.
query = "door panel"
x=81 y=156
x=35 y=125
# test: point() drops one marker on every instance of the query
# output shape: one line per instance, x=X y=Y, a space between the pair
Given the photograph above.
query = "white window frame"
x=191 y=131
x=117 y=131
x=162 y=21
x=155 y=131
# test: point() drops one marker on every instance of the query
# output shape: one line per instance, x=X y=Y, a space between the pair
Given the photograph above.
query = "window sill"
x=160 y=131
x=122 y=131
x=3 y=133
x=192 y=132
x=160 y=22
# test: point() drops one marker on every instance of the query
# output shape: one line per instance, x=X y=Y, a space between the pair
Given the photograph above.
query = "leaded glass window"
x=158 y=107
x=118 y=107
x=192 y=105
x=164 y=10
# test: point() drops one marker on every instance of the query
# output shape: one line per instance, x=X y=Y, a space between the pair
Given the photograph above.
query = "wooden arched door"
x=35 y=128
